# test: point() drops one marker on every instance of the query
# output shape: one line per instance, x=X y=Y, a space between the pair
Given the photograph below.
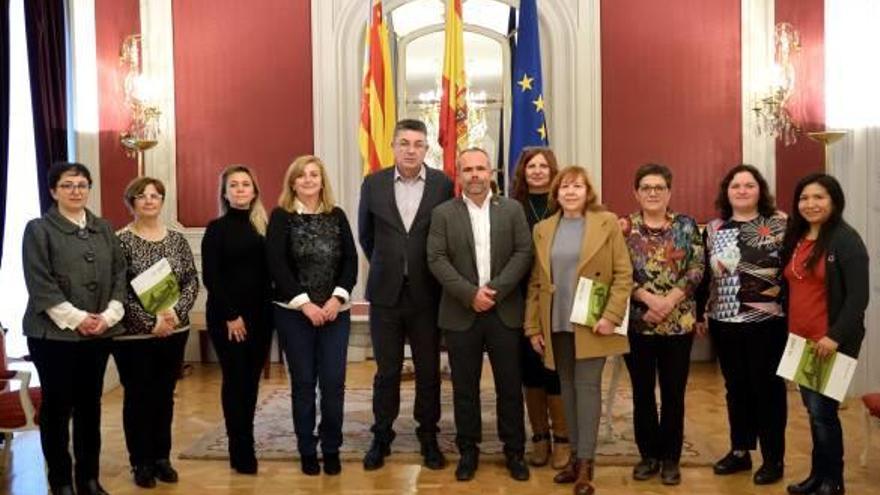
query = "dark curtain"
x=44 y=23
x=4 y=115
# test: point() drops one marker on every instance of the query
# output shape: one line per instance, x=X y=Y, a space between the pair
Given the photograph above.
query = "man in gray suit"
x=479 y=248
x=393 y=220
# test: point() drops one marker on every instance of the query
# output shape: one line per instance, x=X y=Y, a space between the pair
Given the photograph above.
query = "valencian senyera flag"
x=528 y=126
x=453 y=131
x=378 y=111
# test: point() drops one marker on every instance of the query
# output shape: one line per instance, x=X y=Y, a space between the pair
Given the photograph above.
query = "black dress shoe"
x=467 y=465
x=245 y=466
x=165 y=472
x=646 y=468
x=732 y=463
x=144 y=476
x=92 y=487
x=375 y=457
x=807 y=486
x=829 y=487
x=670 y=473
x=309 y=465
x=432 y=458
x=62 y=490
x=332 y=466
x=517 y=467
x=769 y=473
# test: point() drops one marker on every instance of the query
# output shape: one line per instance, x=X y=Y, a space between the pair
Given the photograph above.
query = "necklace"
x=535 y=211
x=794 y=261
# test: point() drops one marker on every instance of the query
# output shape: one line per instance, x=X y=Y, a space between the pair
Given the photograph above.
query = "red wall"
x=243 y=82
x=114 y=19
x=670 y=94
x=808 y=102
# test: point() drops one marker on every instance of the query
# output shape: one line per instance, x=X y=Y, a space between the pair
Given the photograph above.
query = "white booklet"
x=157 y=287
x=829 y=376
x=590 y=298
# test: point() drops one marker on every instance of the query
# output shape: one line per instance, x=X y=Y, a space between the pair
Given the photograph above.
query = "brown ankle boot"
x=536 y=405
x=561 y=448
x=583 y=484
x=569 y=473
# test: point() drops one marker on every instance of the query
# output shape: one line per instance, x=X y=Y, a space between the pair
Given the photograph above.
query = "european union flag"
x=528 y=127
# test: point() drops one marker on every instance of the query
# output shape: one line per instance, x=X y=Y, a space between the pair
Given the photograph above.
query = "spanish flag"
x=453 y=103
x=378 y=111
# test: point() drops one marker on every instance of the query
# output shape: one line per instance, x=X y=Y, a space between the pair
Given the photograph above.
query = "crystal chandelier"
x=773 y=117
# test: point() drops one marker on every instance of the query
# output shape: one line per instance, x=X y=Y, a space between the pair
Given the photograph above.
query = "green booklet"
x=830 y=376
x=157 y=287
x=590 y=299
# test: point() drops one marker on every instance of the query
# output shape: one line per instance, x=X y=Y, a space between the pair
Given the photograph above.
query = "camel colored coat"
x=604 y=258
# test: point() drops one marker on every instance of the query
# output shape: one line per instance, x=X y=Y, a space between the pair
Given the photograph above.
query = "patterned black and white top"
x=746 y=269
x=142 y=254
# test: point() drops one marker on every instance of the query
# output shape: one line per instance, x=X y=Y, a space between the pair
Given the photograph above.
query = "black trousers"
x=466 y=361
x=148 y=370
x=72 y=381
x=757 y=407
x=241 y=364
x=667 y=357
x=390 y=327
x=534 y=373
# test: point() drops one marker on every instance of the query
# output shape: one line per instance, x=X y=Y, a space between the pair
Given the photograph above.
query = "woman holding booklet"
x=579 y=245
x=666 y=249
x=826 y=271
x=75 y=276
x=163 y=285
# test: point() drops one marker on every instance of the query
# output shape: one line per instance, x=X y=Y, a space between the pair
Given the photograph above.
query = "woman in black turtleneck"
x=535 y=170
x=236 y=276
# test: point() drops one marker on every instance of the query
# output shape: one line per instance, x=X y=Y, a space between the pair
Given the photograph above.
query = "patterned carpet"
x=275 y=439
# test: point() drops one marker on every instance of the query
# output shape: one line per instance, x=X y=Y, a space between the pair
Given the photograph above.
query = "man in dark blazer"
x=479 y=248
x=393 y=217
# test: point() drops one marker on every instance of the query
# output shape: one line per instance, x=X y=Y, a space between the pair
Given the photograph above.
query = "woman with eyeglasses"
x=313 y=261
x=149 y=354
x=535 y=171
x=238 y=314
x=826 y=271
x=666 y=249
x=743 y=283
x=74 y=270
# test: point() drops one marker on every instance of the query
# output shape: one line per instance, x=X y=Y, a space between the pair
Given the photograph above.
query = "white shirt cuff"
x=299 y=301
x=340 y=292
x=114 y=313
x=66 y=315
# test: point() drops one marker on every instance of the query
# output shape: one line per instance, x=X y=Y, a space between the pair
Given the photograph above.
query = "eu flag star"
x=543 y=132
x=526 y=82
x=539 y=103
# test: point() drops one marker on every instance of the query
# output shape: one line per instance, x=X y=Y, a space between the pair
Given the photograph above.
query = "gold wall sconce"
x=773 y=118
x=144 y=124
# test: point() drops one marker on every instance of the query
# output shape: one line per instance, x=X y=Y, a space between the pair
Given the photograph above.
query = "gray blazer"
x=452 y=260
x=62 y=262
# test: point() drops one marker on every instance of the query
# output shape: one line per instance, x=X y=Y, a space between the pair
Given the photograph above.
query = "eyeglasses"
x=418 y=145
x=154 y=197
x=74 y=186
x=653 y=189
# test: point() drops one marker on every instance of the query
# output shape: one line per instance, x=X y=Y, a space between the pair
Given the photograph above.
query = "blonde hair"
x=257 y=215
x=568 y=174
x=295 y=171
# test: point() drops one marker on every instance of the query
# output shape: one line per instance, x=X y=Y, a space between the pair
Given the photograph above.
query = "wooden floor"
x=198 y=410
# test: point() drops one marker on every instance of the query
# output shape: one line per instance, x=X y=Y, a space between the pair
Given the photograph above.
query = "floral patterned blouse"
x=663 y=259
x=746 y=268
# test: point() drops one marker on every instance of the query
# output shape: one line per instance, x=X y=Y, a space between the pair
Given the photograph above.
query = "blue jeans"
x=827 y=435
x=316 y=357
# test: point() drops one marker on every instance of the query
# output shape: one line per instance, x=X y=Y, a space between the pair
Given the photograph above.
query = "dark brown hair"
x=766 y=203
x=520 y=191
x=137 y=186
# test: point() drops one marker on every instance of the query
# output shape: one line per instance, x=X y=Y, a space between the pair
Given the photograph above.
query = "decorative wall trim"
x=758 y=21
x=84 y=66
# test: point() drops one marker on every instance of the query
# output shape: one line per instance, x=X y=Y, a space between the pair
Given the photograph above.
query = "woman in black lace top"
x=239 y=319
x=536 y=169
x=313 y=262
